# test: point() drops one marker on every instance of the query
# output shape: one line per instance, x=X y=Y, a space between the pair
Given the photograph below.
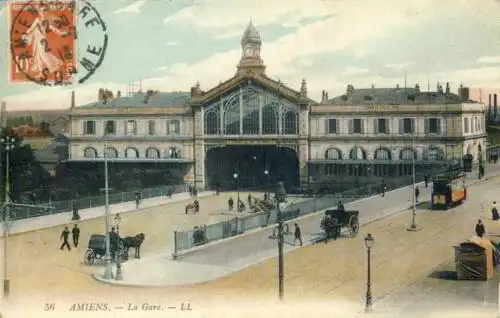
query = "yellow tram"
x=448 y=190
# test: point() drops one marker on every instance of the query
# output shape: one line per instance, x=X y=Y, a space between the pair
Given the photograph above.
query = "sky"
x=169 y=45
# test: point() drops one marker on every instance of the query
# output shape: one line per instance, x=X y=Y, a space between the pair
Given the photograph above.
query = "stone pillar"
x=198 y=148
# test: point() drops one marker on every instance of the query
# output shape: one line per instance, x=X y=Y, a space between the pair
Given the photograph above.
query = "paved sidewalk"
x=228 y=256
x=47 y=221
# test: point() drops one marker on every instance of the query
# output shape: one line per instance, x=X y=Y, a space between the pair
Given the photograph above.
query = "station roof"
x=395 y=96
x=144 y=99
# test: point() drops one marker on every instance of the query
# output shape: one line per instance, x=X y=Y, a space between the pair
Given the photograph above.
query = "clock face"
x=248 y=51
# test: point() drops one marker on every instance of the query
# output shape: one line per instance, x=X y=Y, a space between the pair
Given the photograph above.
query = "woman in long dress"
x=36 y=36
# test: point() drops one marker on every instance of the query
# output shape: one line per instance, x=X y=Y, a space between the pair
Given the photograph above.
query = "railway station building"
x=253 y=130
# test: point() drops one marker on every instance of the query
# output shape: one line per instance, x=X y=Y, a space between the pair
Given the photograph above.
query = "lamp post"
x=8 y=142
x=413 y=226
x=266 y=172
x=280 y=197
x=108 y=272
x=369 y=240
x=119 y=274
x=235 y=176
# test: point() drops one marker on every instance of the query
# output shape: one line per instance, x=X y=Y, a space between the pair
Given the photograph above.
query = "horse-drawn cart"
x=97 y=248
x=335 y=220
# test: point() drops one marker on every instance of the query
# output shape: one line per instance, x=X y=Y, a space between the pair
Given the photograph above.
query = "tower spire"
x=251 y=43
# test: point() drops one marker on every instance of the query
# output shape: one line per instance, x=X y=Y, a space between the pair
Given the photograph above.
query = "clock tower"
x=250 y=52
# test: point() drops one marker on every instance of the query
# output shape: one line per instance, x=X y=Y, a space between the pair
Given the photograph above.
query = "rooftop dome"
x=251 y=34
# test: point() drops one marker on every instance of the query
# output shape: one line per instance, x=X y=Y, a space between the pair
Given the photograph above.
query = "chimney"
x=489 y=100
x=323 y=98
x=447 y=87
x=350 y=90
x=397 y=87
x=118 y=94
x=72 y=99
x=417 y=88
x=439 y=88
x=3 y=115
x=149 y=94
x=100 y=95
x=495 y=107
x=326 y=96
x=303 y=89
x=373 y=86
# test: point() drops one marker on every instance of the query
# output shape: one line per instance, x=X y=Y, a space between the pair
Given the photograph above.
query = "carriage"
x=335 y=220
x=97 y=249
x=448 y=190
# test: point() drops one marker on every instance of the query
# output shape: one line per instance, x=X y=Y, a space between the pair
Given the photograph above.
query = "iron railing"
x=55 y=207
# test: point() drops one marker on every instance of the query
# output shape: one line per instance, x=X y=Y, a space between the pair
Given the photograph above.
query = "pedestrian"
x=340 y=206
x=137 y=199
x=383 y=188
x=426 y=180
x=417 y=193
x=298 y=234
x=190 y=190
x=249 y=200
x=195 y=192
x=230 y=203
x=64 y=237
x=494 y=212
x=480 y=229
x=75 y=232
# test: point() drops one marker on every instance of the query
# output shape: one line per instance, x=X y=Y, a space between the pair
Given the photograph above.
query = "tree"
x=45 y=128
x=26 y=174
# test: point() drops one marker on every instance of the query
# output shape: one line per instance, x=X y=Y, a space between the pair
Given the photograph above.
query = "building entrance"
x=251 y=167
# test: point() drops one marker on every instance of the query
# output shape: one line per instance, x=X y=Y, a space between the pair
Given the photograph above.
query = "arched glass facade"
x=111 y=152
x=333 y=154
x=152 y=153
x=433 y=154
x=251 y=111
x=131 y=153
x=381 y=169
x=407 y=154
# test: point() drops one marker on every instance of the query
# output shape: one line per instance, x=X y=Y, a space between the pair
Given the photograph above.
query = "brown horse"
x=135 y=242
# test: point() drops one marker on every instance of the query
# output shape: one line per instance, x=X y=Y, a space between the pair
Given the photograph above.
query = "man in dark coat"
x=494 y=212
x=75 y=232
x=230 y=203
x=480 y=229
x=64 y=236
x=417 y=193
x=298 y=234
x=249 y=199
x=426 y=180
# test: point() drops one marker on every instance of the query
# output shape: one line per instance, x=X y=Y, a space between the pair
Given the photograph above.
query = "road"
x=317 y=273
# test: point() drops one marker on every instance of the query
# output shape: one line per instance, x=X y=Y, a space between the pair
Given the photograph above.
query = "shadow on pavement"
x=446 y=275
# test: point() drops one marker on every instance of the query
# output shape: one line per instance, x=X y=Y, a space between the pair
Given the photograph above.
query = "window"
x=332 y=169
x=89 y=127
x=109 y=127
x=131 y=153
x=432 y=125
x=174 y=152
x=173 y=127
x=333 y=154
x=466 y=125
x=381 y=126
x=406 y=126
x=130 y=128
x=356 y=126
x=152 y=153
x=90 y=152
x=151 y=127
x=332 y=126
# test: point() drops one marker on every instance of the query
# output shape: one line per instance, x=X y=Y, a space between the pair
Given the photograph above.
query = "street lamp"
x=266 y=172
x=108 y=272
x=8 y=142
x=280 y=197
x=235 y=176
x=369 y=240
x=119 y=275
x=413 y=226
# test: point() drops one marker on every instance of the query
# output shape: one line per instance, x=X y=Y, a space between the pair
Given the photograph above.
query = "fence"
x=54 y=207
x=184 y=240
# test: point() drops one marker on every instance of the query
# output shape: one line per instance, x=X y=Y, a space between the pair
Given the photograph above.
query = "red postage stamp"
x=42 y=42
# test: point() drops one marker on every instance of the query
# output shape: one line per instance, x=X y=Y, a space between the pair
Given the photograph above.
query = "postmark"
x=55 y=42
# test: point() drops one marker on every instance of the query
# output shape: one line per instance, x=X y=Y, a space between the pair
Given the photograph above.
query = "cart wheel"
x=89 y=257
x=353 y=226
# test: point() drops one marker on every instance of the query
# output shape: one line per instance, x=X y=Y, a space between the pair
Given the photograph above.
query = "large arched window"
x=407 y=154
x=382 y=154
x=131 y=153
x=290 y=122
x=232 y=117
x=433 y=154
x=111 y=152
x=90 y=152
x=382 y=169
x=333 y=154
x=251 y=115
x=212 y=122
x=357 y=153
x=270 y=119
x=152 y=153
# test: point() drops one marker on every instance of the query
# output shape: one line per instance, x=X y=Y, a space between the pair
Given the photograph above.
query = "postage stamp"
x=55 y=42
